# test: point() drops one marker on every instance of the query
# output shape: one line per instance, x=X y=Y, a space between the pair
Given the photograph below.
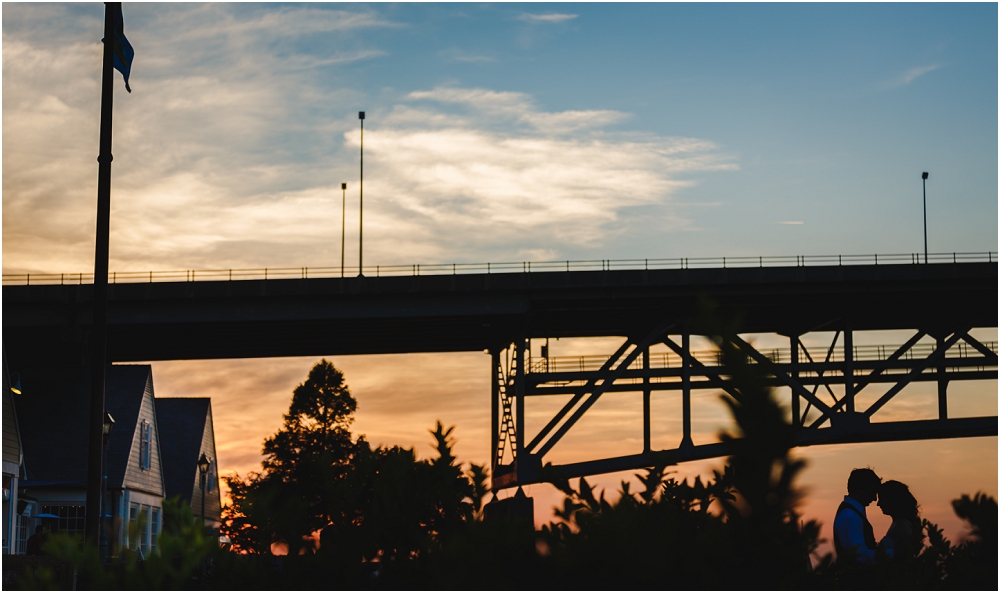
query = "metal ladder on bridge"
x=507 y=428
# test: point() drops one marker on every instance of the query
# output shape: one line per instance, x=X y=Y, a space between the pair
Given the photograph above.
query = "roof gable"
x=53 y=409
x=182 y=422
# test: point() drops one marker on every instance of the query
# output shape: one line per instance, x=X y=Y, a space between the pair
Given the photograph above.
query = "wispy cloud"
x=790 y=222
x=546 y=18
x=910 y=75
x=456 y=55
x=232 y=157
x=521 y=108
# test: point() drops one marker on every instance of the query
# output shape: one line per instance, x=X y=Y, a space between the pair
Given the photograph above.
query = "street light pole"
x=924 y=177
x=109 y=423
x=99 y=333
x=203 y=465
x=361 y=201
x=343 y=223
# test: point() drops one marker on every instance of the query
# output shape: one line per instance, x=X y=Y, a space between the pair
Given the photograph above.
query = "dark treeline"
x=355 y=517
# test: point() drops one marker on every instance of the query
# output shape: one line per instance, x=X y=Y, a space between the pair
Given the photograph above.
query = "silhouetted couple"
x=853 y=535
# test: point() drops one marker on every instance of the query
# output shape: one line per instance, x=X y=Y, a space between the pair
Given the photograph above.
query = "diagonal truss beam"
x=871 y=377
x=779 y=374
x=598 y=390
x=867 y=380
x=930 y=360
x=990 y=355
x=829 y=354
x=712 y=378
x=578 y=396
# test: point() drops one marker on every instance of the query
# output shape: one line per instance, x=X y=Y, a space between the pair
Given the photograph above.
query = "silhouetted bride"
x=905 y=537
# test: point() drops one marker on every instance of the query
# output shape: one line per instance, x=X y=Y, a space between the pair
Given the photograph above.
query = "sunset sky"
x=511 y=132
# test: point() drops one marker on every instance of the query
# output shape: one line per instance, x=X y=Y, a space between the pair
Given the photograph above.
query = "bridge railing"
x=662 y=360
x=503 y=267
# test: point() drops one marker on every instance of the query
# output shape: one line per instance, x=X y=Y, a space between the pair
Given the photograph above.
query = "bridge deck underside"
x=313 y=317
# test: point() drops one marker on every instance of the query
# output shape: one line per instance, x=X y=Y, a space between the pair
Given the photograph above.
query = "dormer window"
x=145 y=430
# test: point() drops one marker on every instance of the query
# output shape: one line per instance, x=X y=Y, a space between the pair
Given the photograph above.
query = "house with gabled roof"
x=52 y=410
x=188 y=435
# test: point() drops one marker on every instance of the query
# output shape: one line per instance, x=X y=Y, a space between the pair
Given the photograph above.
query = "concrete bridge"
x=469 y=312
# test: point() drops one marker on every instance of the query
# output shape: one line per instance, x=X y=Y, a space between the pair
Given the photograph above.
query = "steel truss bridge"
x=939 y=304
x=822 y=417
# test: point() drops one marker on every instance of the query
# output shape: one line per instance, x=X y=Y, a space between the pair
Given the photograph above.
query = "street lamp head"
x=203 y=464
x=15 y=387
x=361 y=115
x=343 y=186
x=109 y=423
x=924 y=176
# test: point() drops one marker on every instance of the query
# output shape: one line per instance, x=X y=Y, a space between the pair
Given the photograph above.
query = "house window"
x=133 y=526
x=144 y=528
x=144 y=531
x=154 y=528
x=70 y=518
x=21 y=541
x=145 y=430
x=212 y=479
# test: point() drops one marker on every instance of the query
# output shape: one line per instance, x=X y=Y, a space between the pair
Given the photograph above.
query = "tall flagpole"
x=99 y=329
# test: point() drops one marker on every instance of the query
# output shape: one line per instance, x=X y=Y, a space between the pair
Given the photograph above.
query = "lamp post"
x=203 y=465
x=361 y=196
x=343 y=223
x=109 y=423
x=924 y=177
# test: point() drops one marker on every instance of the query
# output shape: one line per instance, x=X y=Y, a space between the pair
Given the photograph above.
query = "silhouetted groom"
x=853 y=535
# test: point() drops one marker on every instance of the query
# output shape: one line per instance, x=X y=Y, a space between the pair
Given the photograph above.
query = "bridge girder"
x=954 y=356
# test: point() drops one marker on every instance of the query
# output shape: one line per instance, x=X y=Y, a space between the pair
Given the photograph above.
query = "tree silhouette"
x=316 y=428
x=312 y=450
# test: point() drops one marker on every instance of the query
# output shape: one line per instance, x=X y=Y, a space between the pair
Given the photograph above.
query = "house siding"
x=213 y=501
x=145 y=480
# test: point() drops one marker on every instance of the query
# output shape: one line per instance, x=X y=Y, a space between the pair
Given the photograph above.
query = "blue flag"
x=123 y=51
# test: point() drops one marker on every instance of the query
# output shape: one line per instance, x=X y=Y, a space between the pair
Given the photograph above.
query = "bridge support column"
x=646 y=446
x=849 y=368
x=522 y=458
x=496 y=376
x=794 y=373
x=942 y=383
x=686 y=387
